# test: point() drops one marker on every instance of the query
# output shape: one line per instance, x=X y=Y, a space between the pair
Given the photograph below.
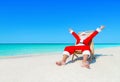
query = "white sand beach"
x=42 y=68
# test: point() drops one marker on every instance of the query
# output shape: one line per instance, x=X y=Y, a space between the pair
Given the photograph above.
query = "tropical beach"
x=35 y=33
x=42 y=68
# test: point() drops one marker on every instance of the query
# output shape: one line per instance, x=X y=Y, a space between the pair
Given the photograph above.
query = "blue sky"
x=48 y=21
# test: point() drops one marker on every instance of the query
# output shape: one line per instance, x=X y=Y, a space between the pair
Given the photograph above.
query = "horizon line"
x=55 y=43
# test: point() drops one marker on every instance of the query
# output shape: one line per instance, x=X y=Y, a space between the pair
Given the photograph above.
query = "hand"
x=102 y=27
x=70 y=30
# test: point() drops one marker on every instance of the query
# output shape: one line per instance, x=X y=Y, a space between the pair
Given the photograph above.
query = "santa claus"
x=82 y=43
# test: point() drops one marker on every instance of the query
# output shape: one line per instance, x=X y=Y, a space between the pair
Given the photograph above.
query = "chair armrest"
x=92 y=48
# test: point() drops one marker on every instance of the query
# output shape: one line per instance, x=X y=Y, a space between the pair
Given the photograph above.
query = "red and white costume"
x=82 y=43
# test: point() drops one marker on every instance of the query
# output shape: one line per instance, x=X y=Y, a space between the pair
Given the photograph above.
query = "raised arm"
x=75 y=36
x=91 y=36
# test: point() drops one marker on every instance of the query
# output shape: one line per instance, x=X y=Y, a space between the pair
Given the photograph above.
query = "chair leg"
x=73 y=56
x=76 y=55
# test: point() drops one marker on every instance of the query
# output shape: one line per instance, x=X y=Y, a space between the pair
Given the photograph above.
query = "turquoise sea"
x=13 y=49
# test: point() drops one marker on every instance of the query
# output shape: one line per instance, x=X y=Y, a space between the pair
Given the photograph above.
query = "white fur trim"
x=66 y=53
x=86 y=52
x=80 y=44
x=81 y=40
x=71 y=31
x=98 y=30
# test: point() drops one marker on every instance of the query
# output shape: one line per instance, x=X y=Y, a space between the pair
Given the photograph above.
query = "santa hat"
x=83 y=33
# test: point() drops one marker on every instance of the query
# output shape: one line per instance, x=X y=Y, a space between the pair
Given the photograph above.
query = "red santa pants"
x=69 y=50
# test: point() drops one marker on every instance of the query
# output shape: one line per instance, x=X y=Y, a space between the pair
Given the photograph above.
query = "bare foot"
x=60 y=63
x=86 y=64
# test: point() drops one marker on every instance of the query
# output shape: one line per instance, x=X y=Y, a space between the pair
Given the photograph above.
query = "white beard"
x=83 y=37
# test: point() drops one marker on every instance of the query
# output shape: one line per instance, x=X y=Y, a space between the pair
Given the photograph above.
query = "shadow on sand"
x=96 y=56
